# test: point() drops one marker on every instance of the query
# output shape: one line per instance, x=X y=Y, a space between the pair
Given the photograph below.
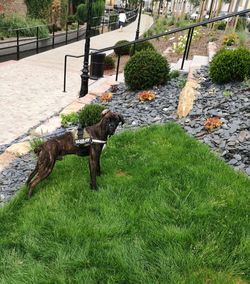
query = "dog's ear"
x=121 y=118
x=104 y=112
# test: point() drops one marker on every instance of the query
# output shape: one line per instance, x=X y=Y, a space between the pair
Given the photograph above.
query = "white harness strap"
x=81 y=137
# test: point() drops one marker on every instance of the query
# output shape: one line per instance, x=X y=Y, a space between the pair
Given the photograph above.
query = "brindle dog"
x=62 y=145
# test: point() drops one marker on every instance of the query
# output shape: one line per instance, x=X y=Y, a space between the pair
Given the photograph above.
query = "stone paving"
x=31 y=89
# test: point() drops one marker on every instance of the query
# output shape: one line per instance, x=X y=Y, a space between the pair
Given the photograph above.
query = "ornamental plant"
x=146 y=69
x=90 y=114
x=106 y=97
x=124 y=50
x=179 y=46
x=140 y=46
x=109 y=62
x=146 y=96
x=230 y=39
x=230 y=65
x=212 y=123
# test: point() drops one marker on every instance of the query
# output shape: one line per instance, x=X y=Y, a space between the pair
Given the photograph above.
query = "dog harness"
x=82 y=137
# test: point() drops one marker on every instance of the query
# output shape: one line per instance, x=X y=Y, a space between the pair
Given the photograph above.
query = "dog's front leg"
x=98 y=155
x=93 y=167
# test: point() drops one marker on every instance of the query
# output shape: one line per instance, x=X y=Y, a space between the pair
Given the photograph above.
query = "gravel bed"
x=230 y=102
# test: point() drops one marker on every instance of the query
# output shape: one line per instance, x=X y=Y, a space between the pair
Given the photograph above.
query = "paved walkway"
x=31 y=89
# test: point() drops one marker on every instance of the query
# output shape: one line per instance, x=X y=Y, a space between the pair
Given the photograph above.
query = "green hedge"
x=230 y=65
x=10 y=23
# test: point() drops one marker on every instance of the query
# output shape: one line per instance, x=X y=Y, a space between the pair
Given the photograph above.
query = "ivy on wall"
x=53 y=11
x=38 y=9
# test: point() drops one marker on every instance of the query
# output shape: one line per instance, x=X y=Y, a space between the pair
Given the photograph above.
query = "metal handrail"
x=190 y=28
x=178 y=30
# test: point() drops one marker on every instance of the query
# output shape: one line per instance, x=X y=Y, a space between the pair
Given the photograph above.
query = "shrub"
x=122 y=50
x=174 y=74
x=146 y=69
x=36 y=142
x=10 y=23
x=90 y=114
x=140 y=46
x=81 y=13
x=230 y=65
x=220 y=25
x=109 y=62
x=68 y=119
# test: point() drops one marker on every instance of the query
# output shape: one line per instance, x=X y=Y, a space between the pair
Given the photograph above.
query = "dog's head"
x=111 y=120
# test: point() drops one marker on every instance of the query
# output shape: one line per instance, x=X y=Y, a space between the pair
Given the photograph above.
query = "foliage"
x=140 y=46
x=124 y=50
x=35 y=142
x=182 y=82
x=174 y=74
x=146 y=96
x=167 y=211
x=10 y=23
x=230 y=39
x=161 y=25
x=220 y=25
x=106 y=97
x=146 y=69
x=38 y=9
x=179 y=46
x=229 y=65
x=212 y=123
x=90 y=114
x=109 y=62
x=98 y=7
x=227 y=93
x=81 y=13
x=69 y=119
x=195 y=3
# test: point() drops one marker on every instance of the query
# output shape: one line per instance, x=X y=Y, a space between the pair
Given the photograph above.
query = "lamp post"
x=139 y=20
x=85 y=70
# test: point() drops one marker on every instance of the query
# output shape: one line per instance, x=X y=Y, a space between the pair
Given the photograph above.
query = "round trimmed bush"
x=90 y=114
x=109 y=62
x=140 y=46
x=230 y=65
x=122 y=50
x=146 y=69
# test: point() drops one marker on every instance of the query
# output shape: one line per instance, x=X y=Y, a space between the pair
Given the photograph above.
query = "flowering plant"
x=146 y=96
x=230 y=39
x=179 y=46
x=106 y=97
x=212 y=123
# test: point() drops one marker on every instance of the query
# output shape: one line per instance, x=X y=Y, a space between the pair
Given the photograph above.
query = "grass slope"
x=167 y=211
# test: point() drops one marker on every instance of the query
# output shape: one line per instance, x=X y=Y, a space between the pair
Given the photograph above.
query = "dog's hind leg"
x=33 y=173
x=42 y=172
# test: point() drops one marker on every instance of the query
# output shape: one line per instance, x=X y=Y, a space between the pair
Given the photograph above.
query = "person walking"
x=122 y=19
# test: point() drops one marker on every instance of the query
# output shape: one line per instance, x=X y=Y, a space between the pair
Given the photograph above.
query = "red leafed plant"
x=146 y=96
x=212 y=123
x=106 y=97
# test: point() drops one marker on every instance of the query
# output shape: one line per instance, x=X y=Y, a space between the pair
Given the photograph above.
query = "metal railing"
x=131 y=16
x=13 y=49
x=190 y=29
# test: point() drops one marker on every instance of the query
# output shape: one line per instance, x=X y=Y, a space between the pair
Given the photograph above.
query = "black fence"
x=19 y=47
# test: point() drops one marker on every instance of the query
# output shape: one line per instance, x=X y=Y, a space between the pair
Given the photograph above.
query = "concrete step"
x=199 y=61
x=177 y=66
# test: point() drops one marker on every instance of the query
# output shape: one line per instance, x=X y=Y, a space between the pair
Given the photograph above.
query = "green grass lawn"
x=167 y=211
